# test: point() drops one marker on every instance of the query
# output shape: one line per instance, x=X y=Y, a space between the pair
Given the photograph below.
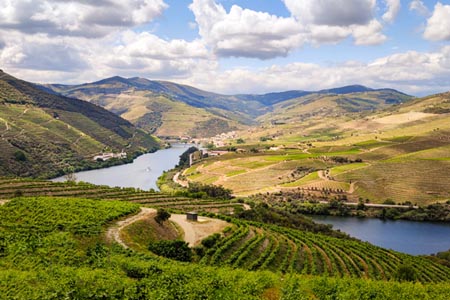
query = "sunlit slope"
x=163 y=108
x=153 y=104
x=43 y=134
x=163 y=116
x=332 y=105
x=54 y=247
x=402 y=154
x=245 y=245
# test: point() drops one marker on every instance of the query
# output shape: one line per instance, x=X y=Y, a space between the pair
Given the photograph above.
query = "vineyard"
x=251 y=246
x=10 y=188
x=54 y=248
x=254 y=246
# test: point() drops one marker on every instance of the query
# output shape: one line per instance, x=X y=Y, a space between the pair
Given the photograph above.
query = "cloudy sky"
x=231 y=46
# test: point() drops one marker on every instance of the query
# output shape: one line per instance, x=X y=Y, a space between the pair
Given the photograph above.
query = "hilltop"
x=46 y=134
x=171 y=109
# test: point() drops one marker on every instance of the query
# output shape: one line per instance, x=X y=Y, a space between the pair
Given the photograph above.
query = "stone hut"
x=192 y=216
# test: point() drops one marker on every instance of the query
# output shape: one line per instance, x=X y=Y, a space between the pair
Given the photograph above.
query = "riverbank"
x=416 y=238
x=97 y=164
x=437 y=212
x=141 y=173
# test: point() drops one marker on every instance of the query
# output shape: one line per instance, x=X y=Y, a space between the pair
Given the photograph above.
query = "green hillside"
x=332 y=105
x=56 y=247
x=154 y=105
x=44 y=134
x=162 y=108
x=399 y=153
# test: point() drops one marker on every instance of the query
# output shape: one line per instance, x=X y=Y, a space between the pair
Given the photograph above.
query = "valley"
x=371 y=153
x=235 y=150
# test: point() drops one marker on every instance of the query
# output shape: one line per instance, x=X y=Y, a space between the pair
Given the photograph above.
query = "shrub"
x=19 y=156
x=178 y=250
x=406 y=272
x=211 y=240
x=161 y=216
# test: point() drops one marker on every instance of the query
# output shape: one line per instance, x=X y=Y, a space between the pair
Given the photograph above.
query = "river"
x=141 y=173
x=404 y=236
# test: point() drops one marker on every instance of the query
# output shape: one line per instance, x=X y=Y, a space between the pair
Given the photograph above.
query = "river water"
x=141 y=173
x=403 y=236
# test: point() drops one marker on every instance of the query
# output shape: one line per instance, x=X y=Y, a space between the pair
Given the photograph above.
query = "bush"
x=406 y=272
x=19 y=156
x=211 y=240
x=178 y=250
x=161 y=216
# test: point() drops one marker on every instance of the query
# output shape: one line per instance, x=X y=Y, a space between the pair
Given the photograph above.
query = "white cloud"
x=76 y=17
x=148 y=55
x=244 y=32
x=411 y=72
x=332 y=12
x=370 y=34
x=39 y=52
x=331 y=21
x=438 y=25
x=393 y=9
x=417 y=5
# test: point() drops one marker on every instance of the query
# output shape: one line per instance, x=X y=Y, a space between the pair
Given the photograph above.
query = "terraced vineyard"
x=55 y=248
x=10 y=188
x=254 y=246
x=251 y=245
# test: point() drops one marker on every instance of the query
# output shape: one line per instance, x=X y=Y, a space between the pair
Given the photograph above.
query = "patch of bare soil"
x=194 y=232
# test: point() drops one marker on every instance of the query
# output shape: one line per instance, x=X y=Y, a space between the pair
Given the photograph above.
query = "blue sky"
x=228 y=46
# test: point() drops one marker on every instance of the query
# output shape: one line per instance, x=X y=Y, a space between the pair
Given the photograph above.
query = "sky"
x=231 y=46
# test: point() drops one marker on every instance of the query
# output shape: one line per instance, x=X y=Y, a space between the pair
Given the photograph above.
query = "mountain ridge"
x=46 y=134
x=139 y=100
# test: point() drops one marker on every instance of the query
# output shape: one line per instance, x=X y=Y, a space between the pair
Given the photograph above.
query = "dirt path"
x=176 y=179
x=194 y=232
x=3 y=201
x=113 y=232
x=322 y=175
x=246 y=206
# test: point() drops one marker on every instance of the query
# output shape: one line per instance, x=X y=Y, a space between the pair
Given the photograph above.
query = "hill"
x=55 y=247
x=400 y=153
x=153 y=105
x=164 y=108
x=334 y=103
x=45 y=134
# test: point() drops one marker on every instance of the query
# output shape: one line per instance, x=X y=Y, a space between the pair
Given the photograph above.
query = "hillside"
x=45 y=134
x=164 y=108
x=58 y=246
x=154 y=105
x=333 y=103
x=400 y=153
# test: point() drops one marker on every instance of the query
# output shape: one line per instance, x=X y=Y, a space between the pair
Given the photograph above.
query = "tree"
x=19 y=156
x=70 y=177
x=161 y=216
x=406 y=272
x=178 y=250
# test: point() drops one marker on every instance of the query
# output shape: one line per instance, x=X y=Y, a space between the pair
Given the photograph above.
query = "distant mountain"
x=139 y=101
x=334 y=103
x=43 y=134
